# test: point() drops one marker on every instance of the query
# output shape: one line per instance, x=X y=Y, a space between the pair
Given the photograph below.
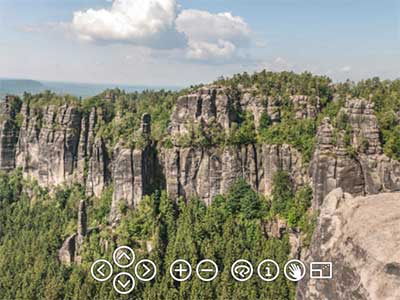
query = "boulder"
x=361 y=237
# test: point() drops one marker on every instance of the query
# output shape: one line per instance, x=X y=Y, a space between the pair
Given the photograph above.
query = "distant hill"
x=19 y=86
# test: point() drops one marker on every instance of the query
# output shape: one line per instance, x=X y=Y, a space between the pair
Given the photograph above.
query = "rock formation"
x=59 y=144
x=359 y=167
x=8 y=135
x=71 y=247
x=134 y=171
x=361 y=237
x=208 y=172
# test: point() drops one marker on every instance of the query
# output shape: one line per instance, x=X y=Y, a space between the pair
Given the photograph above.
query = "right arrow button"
x=145 y=270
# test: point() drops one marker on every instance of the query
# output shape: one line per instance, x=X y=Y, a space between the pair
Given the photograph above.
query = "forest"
x=35 y=220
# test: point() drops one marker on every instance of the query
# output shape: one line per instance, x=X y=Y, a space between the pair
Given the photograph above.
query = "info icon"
x=268 y=270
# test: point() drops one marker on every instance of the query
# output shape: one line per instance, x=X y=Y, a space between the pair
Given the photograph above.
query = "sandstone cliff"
x=361 y=236
x=58 y=144
x=357 y=165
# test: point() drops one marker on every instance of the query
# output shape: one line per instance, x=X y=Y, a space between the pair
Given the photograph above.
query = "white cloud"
x=142 y=22
x=213 y=36
x=277 y=65
x=345 y=69
x=161 y=24
x=203 y=50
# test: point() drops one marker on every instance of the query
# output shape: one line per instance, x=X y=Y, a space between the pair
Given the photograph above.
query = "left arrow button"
x=101 y=270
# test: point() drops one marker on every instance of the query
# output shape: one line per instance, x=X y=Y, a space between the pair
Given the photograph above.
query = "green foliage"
x=244 y=132
x=282 y=193
x=298 y=133
x=291 y=205
x=244 y=202
x=281 y=83
x=230 y=228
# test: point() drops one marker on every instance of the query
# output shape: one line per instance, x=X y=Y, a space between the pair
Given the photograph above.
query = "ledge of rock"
x=361 y=237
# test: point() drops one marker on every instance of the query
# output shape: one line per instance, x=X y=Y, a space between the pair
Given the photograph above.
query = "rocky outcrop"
x=8 y=135
x=70 y=250
x=352 y=159
x=61 y=144
x=306 y=107
x=48 y=143
x=134 y=173
x=203 y=106
x=211 y=171
x=361 y=236
x=58 y=145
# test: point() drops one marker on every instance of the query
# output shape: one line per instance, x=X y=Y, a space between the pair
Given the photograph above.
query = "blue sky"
x=169 y=42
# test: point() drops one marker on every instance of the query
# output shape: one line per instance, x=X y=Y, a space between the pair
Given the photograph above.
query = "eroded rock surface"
x=208 y=172
x=58 y=145
x=352 y=160
x=361 y=236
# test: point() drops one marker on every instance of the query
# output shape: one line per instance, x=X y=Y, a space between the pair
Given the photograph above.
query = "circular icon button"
x=182 y=268
x=145 y=270
x=268 y=270
x=207 y=270
x=101 y=270
x=124 y=283
x=124 y=257
x=242 y=270
x=295 y=270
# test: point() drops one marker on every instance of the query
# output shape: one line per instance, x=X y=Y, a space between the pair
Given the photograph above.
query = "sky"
x=182 y=42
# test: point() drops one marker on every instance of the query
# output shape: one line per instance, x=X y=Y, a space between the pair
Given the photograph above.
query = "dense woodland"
x=34 y=221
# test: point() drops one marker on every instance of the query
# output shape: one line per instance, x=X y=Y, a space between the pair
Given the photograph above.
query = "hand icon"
x=295 y=271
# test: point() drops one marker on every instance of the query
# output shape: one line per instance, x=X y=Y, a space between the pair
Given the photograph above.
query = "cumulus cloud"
x=142 y=22
x=161 y=24
x=278 y=64
x=345 y=69
x=213 y=36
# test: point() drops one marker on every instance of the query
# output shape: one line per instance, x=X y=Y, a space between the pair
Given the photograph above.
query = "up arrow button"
x=124 y=257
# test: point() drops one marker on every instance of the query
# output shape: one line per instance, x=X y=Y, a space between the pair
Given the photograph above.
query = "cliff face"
x=208 y=172
x=8 y=135
x=357 y=165
x=361 y=237
x=60 y=144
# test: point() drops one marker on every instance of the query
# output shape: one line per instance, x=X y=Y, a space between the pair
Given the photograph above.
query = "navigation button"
x=242 y=270
x=145 y=270
x=101 y=270
x=207 y=270
x=124 y=283
x=294 y=270
x=321 y=270
x=124 y=257
x=180 y=270
x=268 y=270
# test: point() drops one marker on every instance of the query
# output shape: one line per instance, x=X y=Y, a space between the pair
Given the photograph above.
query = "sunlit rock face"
x=361 y=237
